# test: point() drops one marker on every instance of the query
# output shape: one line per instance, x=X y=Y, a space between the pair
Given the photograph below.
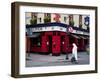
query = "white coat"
x=74 y=51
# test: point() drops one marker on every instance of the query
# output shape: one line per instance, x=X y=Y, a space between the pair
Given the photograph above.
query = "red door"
x=64 y=44
x=56 y=45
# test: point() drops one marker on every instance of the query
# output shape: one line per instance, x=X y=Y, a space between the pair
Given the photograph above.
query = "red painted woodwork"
x=49 y=33
x=36 y=49
x=64 y=44
x=44 y=47
x=56 y=45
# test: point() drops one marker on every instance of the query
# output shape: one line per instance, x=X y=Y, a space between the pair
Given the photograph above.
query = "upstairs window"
x=71 y=21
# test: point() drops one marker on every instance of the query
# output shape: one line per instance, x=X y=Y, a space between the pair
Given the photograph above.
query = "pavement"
x=38 y=60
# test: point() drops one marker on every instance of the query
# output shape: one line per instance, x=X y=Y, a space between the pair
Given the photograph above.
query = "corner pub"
x=54 y=32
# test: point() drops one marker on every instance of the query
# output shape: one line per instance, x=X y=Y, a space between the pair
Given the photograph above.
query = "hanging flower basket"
x=33 y=21
x=71 y=23
x=47 y=19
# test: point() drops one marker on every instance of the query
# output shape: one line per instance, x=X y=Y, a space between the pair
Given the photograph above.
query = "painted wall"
x=76 y=20
x=40 y=15
x=28 y=17
x=66 y=21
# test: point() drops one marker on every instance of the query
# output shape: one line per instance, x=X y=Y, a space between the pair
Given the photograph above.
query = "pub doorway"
x=50 y=44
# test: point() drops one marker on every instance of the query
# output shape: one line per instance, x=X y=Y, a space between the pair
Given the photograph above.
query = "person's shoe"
x=76 y=62
x=67 y=58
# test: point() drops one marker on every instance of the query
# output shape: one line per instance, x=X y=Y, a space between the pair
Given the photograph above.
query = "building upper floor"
x=74 y=20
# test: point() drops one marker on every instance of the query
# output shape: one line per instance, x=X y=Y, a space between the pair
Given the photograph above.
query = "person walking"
x=74 y=54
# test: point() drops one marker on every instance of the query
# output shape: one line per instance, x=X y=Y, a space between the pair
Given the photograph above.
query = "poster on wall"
x=52 y=39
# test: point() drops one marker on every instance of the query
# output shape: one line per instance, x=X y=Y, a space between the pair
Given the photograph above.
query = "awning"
x=84 y=37
x=76 y=36
x=87 y=37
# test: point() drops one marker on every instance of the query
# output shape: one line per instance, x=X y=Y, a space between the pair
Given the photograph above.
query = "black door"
x=50 y=44
x=62 y=43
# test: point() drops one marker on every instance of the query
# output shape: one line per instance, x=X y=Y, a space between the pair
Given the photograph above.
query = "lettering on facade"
x=50 y=28
x=61 y=28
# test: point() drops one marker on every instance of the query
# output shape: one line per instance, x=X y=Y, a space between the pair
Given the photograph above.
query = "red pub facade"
x=54 y=33
x=55 y=38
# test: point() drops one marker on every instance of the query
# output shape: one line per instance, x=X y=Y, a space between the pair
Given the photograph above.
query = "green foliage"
x=33 y=21
x=47 y=19
x=71 y=23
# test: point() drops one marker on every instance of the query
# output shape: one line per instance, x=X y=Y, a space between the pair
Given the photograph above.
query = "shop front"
x=55 y=38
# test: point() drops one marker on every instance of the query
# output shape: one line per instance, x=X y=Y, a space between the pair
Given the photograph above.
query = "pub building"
x=54 y=33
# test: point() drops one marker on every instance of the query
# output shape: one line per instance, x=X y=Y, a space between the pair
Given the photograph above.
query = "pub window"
x=54 y=33
x=36 y=42
x=39 y=41
x=58 y=33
